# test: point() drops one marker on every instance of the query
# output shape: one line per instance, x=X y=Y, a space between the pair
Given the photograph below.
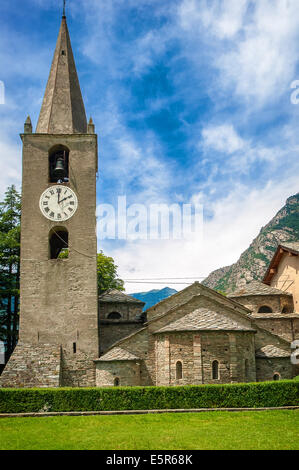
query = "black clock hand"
x=68 y=197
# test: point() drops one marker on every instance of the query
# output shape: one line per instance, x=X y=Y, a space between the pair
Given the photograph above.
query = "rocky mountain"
x=154 y=296
x=253 y=263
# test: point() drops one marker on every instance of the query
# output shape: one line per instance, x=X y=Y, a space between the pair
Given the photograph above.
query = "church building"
x=70 y=336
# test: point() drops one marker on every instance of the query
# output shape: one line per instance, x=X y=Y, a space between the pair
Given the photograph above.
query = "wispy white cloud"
x=222 y=138
x=254 y=43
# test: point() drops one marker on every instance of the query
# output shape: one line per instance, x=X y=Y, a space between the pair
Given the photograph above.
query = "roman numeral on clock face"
x=58 y=203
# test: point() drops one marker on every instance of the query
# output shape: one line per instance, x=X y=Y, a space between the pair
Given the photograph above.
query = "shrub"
x=252 y=395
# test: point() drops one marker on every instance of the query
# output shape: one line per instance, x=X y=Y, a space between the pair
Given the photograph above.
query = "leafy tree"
x=107 y=274
x=10 y=216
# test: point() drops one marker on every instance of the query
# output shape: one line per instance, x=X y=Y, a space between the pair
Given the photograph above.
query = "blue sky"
x=191 y=102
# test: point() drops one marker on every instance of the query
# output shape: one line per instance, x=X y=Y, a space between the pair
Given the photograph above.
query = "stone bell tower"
x=58 y=307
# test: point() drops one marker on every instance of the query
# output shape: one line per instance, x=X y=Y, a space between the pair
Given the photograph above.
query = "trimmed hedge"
x=251 y=395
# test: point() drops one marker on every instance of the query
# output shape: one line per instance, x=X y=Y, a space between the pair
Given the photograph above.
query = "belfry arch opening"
x=59 y=164
x=58 y=243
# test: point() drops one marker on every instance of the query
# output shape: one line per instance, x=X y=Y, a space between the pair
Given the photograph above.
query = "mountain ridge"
x=154 y=296
x=254 y=261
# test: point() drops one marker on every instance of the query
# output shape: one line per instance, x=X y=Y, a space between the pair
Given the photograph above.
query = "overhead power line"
x=164 y=278
x=159 y=282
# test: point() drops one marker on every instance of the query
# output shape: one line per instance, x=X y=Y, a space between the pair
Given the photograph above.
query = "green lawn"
x=211 y=430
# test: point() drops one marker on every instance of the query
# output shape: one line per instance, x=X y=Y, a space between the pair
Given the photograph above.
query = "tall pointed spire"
x=63 y=109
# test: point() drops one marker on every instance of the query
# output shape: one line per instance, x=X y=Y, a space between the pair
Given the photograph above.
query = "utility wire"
x=164 y=278
x=159 y=282
x=67 y=246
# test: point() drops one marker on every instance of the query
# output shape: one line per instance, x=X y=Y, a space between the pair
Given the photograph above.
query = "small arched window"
x=58 y=243
x=116 y=382
x=179 y=370
x=215 y=370
x=265 y=309
x=276 y=376
x=59 y=164
x=114 y=316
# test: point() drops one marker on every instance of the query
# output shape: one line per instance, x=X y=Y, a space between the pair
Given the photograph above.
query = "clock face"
x=58 y=203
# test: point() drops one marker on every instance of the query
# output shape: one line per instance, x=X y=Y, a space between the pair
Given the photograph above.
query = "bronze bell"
x=59 y=170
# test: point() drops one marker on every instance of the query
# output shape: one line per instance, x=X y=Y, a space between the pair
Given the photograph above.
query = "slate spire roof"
x=63 y=109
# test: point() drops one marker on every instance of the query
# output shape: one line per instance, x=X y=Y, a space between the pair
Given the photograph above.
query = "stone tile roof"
x=256 y=288
x=204 y=319
x=114 y=295
x=271 y=351
x=118 y=354
x=294 y=246
x=275 y=315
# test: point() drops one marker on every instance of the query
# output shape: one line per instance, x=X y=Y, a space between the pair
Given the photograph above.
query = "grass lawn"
x=211 y=430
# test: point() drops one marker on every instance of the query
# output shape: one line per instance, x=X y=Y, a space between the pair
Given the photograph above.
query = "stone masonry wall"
x=77 y=370
x=59 y=301
x=181 y=349
x=128 y=373
x=32 y=366
x=128 y=310
x=111 y=331
x=197 y=352
x=143 y=344
x=275 y=302
x=267 y=367
x=287 y=328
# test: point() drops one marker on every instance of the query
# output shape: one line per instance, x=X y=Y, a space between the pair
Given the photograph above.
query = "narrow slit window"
x=74 y=348
x=179 y=370
x=215 y=370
